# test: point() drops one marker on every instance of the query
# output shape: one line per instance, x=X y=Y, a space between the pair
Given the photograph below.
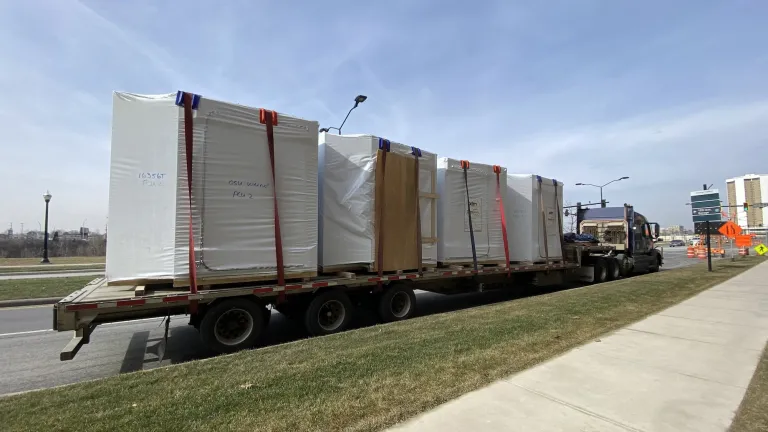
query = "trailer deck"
x=99 y=303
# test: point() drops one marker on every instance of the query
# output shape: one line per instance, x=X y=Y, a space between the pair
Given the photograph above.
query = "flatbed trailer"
x=232 y=317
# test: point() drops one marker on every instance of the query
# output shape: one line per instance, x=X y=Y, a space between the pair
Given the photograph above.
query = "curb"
x=55 y=272
x=29 y=302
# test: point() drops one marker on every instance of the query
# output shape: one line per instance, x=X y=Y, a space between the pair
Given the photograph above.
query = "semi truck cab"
x=628 y=231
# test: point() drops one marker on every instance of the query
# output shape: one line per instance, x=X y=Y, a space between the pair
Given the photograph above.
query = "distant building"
x=752 y=189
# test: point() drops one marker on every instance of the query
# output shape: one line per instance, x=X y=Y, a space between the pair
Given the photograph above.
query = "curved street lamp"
x=47 y=197
x=358 y=100
x=601 y=187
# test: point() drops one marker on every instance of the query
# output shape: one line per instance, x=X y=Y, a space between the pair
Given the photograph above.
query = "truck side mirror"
x=656 y=230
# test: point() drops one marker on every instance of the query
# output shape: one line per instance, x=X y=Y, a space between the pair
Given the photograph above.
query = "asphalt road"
x=29 y=350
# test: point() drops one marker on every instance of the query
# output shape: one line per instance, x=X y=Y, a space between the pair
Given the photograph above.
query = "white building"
x=752 y=189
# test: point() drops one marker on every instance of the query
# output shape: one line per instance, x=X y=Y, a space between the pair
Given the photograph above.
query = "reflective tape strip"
x=136 y=302
x=173 y=299
x=76 y=307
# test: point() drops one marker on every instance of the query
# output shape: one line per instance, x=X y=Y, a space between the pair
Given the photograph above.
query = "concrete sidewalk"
x=684 y=369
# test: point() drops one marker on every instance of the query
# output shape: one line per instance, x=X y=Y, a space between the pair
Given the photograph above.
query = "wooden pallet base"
x=485 y=263
x=218 y=279
x=365 y=268
x=242 y=278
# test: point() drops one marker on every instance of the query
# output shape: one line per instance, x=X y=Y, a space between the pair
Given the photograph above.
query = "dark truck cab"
x=628 y=231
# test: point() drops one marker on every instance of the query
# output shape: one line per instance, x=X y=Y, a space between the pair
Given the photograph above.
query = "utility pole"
x=709 y=245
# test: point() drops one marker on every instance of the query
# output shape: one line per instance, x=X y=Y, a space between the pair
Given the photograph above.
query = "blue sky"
x=671 y=94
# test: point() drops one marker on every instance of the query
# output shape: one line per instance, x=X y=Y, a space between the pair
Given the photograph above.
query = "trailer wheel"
x=600 y=271
x=612 y=269
x=397 y=303
x=328 y=312
x=232 y=325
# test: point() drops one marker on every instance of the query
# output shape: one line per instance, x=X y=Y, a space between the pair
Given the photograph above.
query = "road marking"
x=25 y=332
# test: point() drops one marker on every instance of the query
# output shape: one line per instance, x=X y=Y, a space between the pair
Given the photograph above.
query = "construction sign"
x=761 y=249
x=730 y=229
x=743 y=241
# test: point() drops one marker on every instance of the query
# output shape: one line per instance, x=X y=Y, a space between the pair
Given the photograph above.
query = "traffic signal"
x=746 y=206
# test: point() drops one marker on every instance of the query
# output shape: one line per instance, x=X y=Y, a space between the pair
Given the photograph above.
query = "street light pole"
x=601 y=187
x=47 y=197
x=358 y=100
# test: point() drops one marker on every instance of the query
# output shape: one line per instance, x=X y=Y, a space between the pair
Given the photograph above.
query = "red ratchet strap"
x=497 y=171
x=269 y=118
x=384 y=145
x=416 y=152
x=187 y=101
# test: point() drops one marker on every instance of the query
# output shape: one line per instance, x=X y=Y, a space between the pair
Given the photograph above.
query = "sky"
x=671 y=94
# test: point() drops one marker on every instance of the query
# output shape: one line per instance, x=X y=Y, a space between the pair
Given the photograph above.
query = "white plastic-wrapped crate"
x=233 y=221
x=351 y=186
x=526 y=222
x=453 y=230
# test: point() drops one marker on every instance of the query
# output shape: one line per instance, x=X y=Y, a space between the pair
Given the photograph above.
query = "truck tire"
x=600 y=271
x=612 y=268
x=624 y=268
x=233 y=324
x=655 y=267
x=397 y=303
x=329 y=312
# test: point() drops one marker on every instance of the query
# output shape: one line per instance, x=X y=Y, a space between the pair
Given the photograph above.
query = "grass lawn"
x=57 y=260
x=47 y=269
x=365 y=379
x=44 y=287
x=752 y=415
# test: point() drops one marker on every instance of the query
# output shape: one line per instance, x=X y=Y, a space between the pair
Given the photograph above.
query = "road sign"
x=703 y=211
x=701 y=228
x=761 y=249
x=730 y=229
x=743 y=240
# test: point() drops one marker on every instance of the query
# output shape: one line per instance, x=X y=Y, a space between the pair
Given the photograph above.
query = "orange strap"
x=269 y=118
x=497 y=170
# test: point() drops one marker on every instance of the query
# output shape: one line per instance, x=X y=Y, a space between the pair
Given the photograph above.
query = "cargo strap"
x=269 y=118
x=465 y=167
x=416 y=152
x=543 y=219
x=384 y=146
x=497 y=171
x=189 y=102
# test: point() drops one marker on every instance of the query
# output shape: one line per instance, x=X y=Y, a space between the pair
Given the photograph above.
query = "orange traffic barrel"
x=746 y=251
x=691 y=252
x=702 y=253
x=742 y=251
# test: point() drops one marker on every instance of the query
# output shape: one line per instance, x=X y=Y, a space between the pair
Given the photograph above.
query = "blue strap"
x=416 y=151
x=180 y=99
x=384 y=144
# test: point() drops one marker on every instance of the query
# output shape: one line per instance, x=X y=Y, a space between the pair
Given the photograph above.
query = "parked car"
x=675 y=243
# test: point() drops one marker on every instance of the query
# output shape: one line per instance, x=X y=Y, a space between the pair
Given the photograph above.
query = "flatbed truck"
x=232 y=317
